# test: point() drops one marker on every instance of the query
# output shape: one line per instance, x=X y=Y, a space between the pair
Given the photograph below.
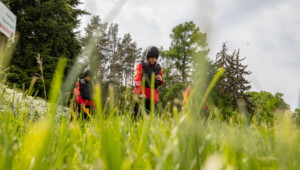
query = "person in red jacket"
x=187 y=94
x=83 y=96
x=145 y=70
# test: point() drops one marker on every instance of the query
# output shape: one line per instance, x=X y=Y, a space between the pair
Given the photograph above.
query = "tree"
x=233 y=83
x=185 y=58
x=46 y=28
x=96 y=31
x=222 y=59
x=130 y=53
x=172 y=86
x=187 y=42
x=114 y=58
x=265 y=104
x=297 y=116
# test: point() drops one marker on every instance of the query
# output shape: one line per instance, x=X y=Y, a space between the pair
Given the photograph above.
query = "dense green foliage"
x=181 y=62
x=266 y=105
x=46 y=28
x=187 y=43
x=297 y=116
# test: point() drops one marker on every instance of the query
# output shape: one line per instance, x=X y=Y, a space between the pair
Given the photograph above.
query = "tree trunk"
x=183 y=71
x=125 y=80
x=113 y=66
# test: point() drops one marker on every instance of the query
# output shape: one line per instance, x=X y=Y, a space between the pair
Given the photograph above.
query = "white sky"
x=266 y=32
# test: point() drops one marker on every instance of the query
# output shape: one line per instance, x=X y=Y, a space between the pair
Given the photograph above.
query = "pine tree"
x=233 y=83
x=96 y=31
x=222 y=56
x=222 y=59
x=130 y=53
x=243 y=84
x=114 y=64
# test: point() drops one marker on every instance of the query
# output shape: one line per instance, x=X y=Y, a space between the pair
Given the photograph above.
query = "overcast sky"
x=266 y=32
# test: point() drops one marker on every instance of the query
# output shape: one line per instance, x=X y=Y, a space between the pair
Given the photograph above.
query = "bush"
x=265 y=105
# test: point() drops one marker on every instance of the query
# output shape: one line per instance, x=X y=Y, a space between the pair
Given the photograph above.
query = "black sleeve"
x=157 y=83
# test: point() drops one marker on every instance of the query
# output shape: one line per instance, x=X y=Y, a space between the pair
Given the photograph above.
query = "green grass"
x=117 y=142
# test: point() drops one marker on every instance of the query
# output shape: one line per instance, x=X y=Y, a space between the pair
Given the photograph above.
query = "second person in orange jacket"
x=83 y=104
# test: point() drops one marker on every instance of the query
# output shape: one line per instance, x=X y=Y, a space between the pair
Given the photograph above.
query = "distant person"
x=83 y=96
x=186 y=96
x=145 y=69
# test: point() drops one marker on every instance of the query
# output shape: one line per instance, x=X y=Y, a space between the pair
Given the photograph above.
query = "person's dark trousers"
x=80 y=112
x=137 y=113
x=83 y=115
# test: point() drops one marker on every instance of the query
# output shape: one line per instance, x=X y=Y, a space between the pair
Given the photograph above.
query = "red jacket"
x=138 y=84
x=187 y=95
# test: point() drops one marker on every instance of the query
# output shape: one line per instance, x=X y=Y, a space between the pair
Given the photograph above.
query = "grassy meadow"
x=185 y=140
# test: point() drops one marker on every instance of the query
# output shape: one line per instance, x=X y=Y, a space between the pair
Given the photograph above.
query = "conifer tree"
x=130 y=53
x=46 y=28
x=114 y=64
x=233 y=83
x=96 y=31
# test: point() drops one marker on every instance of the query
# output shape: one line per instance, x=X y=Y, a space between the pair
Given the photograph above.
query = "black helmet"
x=152 y=51
x=87 y=72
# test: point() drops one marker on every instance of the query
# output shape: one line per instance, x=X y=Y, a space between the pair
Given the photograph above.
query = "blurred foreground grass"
x=184 y=141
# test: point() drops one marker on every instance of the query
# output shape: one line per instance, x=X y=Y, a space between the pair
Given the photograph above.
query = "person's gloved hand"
x=158 y=77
